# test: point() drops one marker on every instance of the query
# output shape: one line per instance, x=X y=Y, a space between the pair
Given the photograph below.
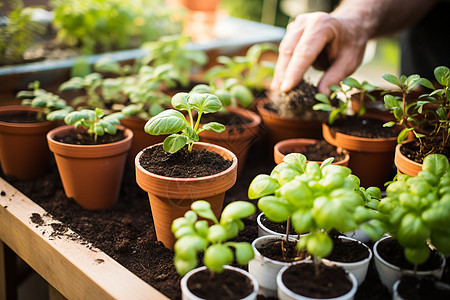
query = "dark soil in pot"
x=347 y=251
x=183 y=164
x=21 y=117
x=226 y=285
x=281 y=250
x=126 y=233
x=277 y=227
x=423 y=288
x=76 y=137
x=391 y=251
x=320 y=151
x=328 y=282
x=228 y=119
x=412 y=150
x=363 y=127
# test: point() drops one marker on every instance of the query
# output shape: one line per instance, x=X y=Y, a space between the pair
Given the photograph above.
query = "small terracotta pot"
x=91 y=174
x=141 y=139
x=24 y=152
x=371 y=160
x=171 y=198
x=201 y=5
x=238 y=139
x=188 y=295
x=279 y=128
x=405 y=165
x=299 y=146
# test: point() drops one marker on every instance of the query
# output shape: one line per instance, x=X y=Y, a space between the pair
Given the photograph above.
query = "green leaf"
x=417 y=255
x=180 y=101
x=302 y=221
x=389 y=124
x=392 y=79
x=203 y=209
x=276 y=209
x=442 y=75
x=174 y=142
x=242 y=94
x=296 y=160
x=322 y=107
x=425 y=82
x=184 y=266
x=167 y=122
x=216 y=256
x=224 y=96
x=205 y=103
x=319 y=244
x=237 y=210
x=244 y=252
x=322 y=98
x=352 y=83
x=437 y=164
x=391 y=102
x=262 y=185
x=213 y=126
x=217 y=234
x=403 y=135
x=201 y=89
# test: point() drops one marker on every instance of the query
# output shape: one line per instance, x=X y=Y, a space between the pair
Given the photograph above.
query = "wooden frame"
x=72 y=268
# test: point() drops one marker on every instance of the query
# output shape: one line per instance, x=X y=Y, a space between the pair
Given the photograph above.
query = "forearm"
x=380 y=17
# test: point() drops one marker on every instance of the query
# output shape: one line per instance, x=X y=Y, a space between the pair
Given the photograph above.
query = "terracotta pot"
x=238 y=139
x=279 y=128
x=24 y=152
x=370 y=159
x=201 y=5
x=405 y=165
x=284 y=293
x=299 y=146
x=390 y=273
x=171 y=198
x=141 y=139
x=188 y=295
x=91 y=174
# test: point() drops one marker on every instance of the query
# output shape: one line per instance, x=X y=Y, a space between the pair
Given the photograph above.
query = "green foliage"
x=248 y=70
x=416 y=210
x=232 y=93
x=194 y=235
x=110 y=25
x=340 y=98
x=183 y=132
x=18 y=34
x=94 y=121
x=52 y=106
x=173 y=51
x=316 y=199
x=428 y=117
x=90 y=84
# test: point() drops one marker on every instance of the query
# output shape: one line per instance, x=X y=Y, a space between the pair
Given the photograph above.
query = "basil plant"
x=315 y=199
x=182 y=131
x=416 y=210
x=194 y=235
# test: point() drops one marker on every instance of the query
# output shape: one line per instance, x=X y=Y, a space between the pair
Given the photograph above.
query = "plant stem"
x=288 y=225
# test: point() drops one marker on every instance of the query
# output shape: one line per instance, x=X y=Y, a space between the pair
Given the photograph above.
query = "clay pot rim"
x=17 y=108
x=336 y=135
x=400 y=160
x=278 y=149
x=128 y=136
x=405 y=271
x=187 y=180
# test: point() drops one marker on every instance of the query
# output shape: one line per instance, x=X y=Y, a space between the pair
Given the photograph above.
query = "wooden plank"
x=75 y=270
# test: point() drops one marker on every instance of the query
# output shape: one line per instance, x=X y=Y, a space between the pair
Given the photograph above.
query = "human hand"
x=326 y=41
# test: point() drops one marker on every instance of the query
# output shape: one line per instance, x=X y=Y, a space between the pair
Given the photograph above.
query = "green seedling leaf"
x=203 y=209
x=318 y=244
x=217 y=234
x=168 y=122
x=275 y=209
x=243 y=252
x=174 y=142
x=237 y=210
x=262 y=185
x=352 y=83
x=213 y=126
x=442 y=75
x=205 y=103
x=216 y=256
x=180 y=101
x=392 y=79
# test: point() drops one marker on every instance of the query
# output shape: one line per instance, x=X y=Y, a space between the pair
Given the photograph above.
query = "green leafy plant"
x=194 y=235
x=52 y=107
x=183 y=132
x=338 y=102
x=95 y=121
x=314 y=199
x=416 y=210
x=94 y=25
x=248 y=70
x=90 y=84
x=18 y=33
x=428 y=117
x=173 y=51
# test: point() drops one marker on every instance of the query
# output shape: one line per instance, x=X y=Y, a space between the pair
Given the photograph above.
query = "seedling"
x=416 y=210
x=340 y=98
x=52 y=107
x=428 y=118
x=94 y=121
x=183 y=132
x=314 y=198
x=194 y=235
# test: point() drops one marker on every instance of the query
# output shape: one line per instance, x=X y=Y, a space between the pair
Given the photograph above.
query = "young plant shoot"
x=183 y=132
x=194 y=235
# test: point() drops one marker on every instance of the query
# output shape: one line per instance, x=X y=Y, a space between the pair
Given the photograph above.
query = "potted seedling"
x=416 y=214
x=195 y=235
x=242 y=125
x=24 y=152
x=90 y=153
x=427 y=118
x=315 y=200
x=361 y=134
x=181 y=169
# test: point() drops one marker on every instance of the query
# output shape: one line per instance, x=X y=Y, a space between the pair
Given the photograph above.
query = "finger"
x=287 y=46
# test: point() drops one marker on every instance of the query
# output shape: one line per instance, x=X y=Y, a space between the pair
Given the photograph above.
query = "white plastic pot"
x=439 y=285
x=359 y=235
x=359 y=268
x=264 y=269
x=284 y=293
x=263 y=230
x=186 y=294
x=390 y=273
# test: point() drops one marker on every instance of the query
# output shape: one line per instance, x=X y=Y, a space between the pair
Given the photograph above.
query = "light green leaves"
x=167 y=122
x=262 y=185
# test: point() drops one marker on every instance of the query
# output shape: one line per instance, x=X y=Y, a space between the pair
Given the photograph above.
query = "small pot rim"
x=188 y=292
x=352 y=264
x=281 y=285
